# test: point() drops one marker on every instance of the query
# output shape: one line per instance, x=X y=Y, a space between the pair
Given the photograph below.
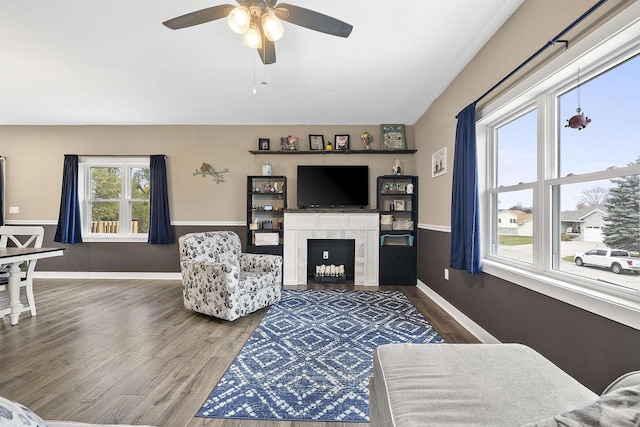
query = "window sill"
x=622 y=307
x=110 y=238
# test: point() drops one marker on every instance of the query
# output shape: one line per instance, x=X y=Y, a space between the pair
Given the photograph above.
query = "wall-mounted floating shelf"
x=333 y=152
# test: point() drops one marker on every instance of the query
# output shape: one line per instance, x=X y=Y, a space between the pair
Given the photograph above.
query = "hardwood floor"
x=112 y=351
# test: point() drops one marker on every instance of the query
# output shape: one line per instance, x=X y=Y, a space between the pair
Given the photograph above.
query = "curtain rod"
x=118 y=155
x=543 y=48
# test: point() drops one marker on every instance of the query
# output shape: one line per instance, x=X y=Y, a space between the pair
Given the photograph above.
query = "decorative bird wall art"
x=207 y=169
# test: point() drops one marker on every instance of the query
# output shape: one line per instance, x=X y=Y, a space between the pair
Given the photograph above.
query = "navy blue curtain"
x=69 y=226
x=160 y=231
x=465 y=232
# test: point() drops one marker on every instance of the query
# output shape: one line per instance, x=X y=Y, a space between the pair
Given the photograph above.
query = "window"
x=115 y=198
x=551 y=192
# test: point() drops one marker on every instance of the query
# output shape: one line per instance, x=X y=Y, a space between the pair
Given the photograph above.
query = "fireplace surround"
x=360 y=225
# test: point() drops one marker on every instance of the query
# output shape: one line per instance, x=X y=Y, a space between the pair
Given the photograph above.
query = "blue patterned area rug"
x=311 y=357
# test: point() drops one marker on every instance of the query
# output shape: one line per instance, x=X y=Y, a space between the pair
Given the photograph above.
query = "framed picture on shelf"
x=342 y=142
x=398 y=205
x=316 y=142
x=263 y=144
x=393 y=137
x=289 y=143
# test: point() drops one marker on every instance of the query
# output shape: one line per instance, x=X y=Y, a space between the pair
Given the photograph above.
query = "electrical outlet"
x=14 y=209
x=446 y=274
x=325 y=254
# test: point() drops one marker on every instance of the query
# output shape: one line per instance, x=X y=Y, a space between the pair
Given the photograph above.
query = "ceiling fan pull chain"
x=264 y=75
x=254 y=74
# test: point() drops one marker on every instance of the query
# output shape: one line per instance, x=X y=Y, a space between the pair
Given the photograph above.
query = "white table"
x=13 y=257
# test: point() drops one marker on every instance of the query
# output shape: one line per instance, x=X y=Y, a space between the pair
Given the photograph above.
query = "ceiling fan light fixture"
x=260 y=22
x=252 y=38
x=272 y=26
x=239 y=19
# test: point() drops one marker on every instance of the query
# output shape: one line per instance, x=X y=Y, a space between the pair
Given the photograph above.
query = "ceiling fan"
x=259 y=22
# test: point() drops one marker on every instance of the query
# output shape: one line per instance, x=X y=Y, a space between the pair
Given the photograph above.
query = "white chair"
x=22 y=237
x=221 y=281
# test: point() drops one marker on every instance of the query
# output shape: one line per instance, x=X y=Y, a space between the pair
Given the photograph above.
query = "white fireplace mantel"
x=302 y=226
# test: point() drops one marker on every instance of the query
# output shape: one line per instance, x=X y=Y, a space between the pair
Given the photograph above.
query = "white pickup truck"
x=617 y=260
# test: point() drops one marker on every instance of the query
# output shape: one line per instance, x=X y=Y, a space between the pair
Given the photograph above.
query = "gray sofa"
x=489 y=385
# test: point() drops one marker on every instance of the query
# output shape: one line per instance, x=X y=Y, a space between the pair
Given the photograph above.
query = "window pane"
x=140 y=217
x=591 y=228
x=515 y=225
x=610 y=100
x=516 y=147
x=105 y=217
x=106 y=183
x=140 y=183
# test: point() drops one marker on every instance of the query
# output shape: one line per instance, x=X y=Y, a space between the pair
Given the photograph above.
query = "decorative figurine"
x=266 y=169
x=409 y=188
x=397 y=170
x=366 y=140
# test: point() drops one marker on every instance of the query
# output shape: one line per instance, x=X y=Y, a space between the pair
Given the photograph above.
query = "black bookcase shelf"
x=398 y=258
x=265 y=213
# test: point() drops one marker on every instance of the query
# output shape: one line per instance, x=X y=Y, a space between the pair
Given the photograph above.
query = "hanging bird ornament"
x=578 y=121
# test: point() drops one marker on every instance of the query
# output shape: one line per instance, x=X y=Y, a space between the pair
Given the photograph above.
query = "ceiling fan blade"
x=267 y=51
x=314 y=20
x=199 y=17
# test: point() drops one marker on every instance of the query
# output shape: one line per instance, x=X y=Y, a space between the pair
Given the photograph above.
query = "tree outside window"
x=116 y=197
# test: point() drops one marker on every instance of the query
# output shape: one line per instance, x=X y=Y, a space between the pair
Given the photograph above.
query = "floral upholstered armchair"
x=221 y=281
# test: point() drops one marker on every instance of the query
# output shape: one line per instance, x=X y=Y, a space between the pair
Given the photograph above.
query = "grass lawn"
x=508 y=240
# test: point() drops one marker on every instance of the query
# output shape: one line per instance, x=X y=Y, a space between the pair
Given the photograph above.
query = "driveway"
x=524 y=253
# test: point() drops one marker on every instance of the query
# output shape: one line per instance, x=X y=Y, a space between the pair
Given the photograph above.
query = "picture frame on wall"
x=342 y=142
x=439 y=162
x=316 y=142
x=264 y=144
x=393 y=137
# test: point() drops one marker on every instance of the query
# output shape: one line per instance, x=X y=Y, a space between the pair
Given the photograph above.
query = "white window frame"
x=614 y=42
x=85 y=163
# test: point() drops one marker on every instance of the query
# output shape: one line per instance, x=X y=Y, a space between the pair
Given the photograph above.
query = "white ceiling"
x=113 y=62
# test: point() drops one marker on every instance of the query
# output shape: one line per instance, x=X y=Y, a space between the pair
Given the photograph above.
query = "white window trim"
x=84 y=163
x=619 y=38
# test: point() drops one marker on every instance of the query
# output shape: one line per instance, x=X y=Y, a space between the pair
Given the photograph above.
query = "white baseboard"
x=126 y=275
x=471 y=326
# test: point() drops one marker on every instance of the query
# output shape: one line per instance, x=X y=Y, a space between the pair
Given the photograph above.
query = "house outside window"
x=114 y=197
x=549 y=192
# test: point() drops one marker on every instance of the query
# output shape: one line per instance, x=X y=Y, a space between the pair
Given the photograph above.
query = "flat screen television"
x=333 y=186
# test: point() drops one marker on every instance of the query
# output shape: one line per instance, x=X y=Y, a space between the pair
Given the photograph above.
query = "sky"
x=612 y=102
